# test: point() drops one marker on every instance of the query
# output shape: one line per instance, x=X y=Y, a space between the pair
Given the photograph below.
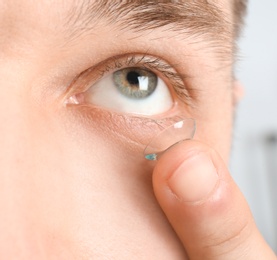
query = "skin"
x=67 y=190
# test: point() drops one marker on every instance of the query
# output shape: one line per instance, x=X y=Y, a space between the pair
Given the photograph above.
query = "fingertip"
x=172 y=159
x=203 y=204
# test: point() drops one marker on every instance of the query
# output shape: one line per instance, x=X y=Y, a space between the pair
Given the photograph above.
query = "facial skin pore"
x=73 y=182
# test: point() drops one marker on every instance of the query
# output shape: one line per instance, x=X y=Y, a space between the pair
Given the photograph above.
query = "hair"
x=239 y=11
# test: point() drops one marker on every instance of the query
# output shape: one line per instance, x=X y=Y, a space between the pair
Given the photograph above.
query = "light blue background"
x=254 y=158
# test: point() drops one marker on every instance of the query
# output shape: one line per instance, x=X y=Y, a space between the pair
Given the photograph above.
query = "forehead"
x=197 y=16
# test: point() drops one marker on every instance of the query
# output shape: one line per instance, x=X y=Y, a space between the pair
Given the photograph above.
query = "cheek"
x=109 y=192
x=215 y=124
x=81 y=192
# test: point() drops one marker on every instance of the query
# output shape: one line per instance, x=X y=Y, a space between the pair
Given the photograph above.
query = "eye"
x=135 y=83
x=131 y=90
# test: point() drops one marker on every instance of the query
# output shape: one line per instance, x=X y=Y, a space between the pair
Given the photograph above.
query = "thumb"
x=204 y=205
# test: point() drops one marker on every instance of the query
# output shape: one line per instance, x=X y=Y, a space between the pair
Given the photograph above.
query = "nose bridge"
x=11 y=105
x=12 y=121
x=13 y=75
x=15 y=109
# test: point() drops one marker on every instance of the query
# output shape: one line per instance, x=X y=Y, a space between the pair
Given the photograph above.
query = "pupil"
x=132 y=78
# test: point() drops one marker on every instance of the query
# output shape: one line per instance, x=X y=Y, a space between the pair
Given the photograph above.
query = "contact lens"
x=181 y=129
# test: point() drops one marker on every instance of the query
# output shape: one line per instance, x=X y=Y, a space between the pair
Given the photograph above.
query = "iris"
x=135 y=83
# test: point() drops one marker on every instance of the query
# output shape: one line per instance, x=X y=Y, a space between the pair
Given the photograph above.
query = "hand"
x=205 y=207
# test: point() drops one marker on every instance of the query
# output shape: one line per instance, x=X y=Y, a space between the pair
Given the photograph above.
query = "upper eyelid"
x=95 y=73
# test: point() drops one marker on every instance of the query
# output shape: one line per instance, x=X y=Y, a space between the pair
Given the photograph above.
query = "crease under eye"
x=133 y=132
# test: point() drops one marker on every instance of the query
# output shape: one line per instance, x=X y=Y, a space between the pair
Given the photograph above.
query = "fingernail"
x=194 y=179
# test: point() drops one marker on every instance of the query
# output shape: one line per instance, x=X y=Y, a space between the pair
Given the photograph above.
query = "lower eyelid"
x=133 y=132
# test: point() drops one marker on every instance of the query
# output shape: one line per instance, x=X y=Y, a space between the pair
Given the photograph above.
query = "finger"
x=204 y=205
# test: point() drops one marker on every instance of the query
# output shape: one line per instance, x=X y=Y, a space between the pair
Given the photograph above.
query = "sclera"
x=182 y=129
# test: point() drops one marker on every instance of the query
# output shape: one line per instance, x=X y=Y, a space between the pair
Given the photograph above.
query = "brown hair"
x=239 y=11
x=197 y=17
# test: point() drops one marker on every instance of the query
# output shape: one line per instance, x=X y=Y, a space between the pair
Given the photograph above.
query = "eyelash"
x=154 y=64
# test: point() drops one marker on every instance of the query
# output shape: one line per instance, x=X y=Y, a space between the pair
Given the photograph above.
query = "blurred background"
x=254 y=155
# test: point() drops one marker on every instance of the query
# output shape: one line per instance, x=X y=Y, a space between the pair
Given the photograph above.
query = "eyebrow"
x=197 y=17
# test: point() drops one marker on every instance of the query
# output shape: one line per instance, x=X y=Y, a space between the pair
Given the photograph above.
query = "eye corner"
x=75 y=99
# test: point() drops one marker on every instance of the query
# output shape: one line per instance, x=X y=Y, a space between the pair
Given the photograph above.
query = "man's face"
x=74 y=183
